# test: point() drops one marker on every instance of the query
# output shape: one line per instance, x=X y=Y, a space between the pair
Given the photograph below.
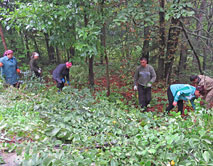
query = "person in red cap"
x=59 y=74
x=9 y=67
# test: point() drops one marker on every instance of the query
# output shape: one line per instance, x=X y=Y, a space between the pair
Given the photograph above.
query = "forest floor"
x=118 y=86
x=159 y=95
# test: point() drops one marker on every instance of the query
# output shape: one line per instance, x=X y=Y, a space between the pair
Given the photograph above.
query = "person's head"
x=143 y=61
x=68 y=65
x=194 y=79
x=35 y=55
x=8 y=53
x=199 y=91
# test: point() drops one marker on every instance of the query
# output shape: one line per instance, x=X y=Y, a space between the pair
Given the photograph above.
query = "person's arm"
x=177 y=96
x=68 y=78
x=153 y=74
x=136 y=77
x=1 y=63
x=17 y=68
x=58 y=73
x=1 y=69
x=192 y=103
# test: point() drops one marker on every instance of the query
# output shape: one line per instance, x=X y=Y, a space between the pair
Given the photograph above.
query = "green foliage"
x=75 y=128
x=178 y=10
x=78 y=74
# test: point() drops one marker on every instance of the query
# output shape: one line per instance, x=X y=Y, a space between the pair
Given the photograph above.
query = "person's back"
x=182 y=91
x=206 y=82
x=33 y=65
x=59 y=74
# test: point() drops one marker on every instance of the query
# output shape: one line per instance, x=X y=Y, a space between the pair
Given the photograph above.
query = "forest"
x=97 y=120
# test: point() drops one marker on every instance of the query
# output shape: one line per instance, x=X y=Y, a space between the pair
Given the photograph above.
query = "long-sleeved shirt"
x=206 y=82
x=33 y=65
x=9 y=70
x=184 y=92
x=61 y=71
x=144 y=75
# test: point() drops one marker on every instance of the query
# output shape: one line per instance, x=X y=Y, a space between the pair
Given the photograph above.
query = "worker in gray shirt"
x=144 y=77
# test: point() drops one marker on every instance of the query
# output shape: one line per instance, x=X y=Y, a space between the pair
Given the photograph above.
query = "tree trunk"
x=103 y=44
x=91 y=59
x=72 y=49
x=2 y=38
x=50 y=49
x=145 y=50
x=199 y=26
x=36 y=45
x=190 y=43
x=172 y=43
x=199 y=15
x=162 y=43
x=27 y=45
x=58 y=55
x=183 y=57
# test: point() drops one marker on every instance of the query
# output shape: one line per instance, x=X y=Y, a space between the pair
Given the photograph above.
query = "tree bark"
x=50 y=49
x=196 y=56
x=91 y=58
x=36 y=45
x=183 y=57
x=172 y=43
x=145 y=52
x=72 y=49
x=162 y=42
x=103 y=44
x=2 y=38
x=27 y=44
x=58 y=55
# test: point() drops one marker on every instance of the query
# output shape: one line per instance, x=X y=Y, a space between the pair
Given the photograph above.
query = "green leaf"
x=148 y=163
x=54 y=132
x=113 y=163
x=206 y=156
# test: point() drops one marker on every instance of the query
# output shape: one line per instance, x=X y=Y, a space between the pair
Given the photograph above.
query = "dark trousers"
x=37 y=74
x=144 y=94
x=60 y=85
x=171 y=100
x=16 y=85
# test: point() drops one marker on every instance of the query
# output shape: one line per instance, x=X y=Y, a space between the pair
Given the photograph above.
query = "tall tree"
x=2 y=38
x=103 y=44
x=162 y=41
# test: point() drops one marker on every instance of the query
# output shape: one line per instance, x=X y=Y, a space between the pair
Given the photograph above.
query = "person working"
x=10 y=69
x=143 y=79
x=59 y=74
x=207 y=83
x=177 y=93
x=33 y=64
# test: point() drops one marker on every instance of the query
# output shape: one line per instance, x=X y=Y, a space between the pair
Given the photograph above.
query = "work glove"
x=39 y=70
x=18 y=70
x=63 y=80
x=135 y=87
x=68 y=82
x=149 y=85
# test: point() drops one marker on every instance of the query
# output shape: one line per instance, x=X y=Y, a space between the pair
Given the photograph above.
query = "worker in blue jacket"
x=10 y=70
x=59 y=74
x=177 y=93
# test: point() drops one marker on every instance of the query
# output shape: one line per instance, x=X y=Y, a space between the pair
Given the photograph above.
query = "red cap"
x=68 y=64
x=8 y=52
